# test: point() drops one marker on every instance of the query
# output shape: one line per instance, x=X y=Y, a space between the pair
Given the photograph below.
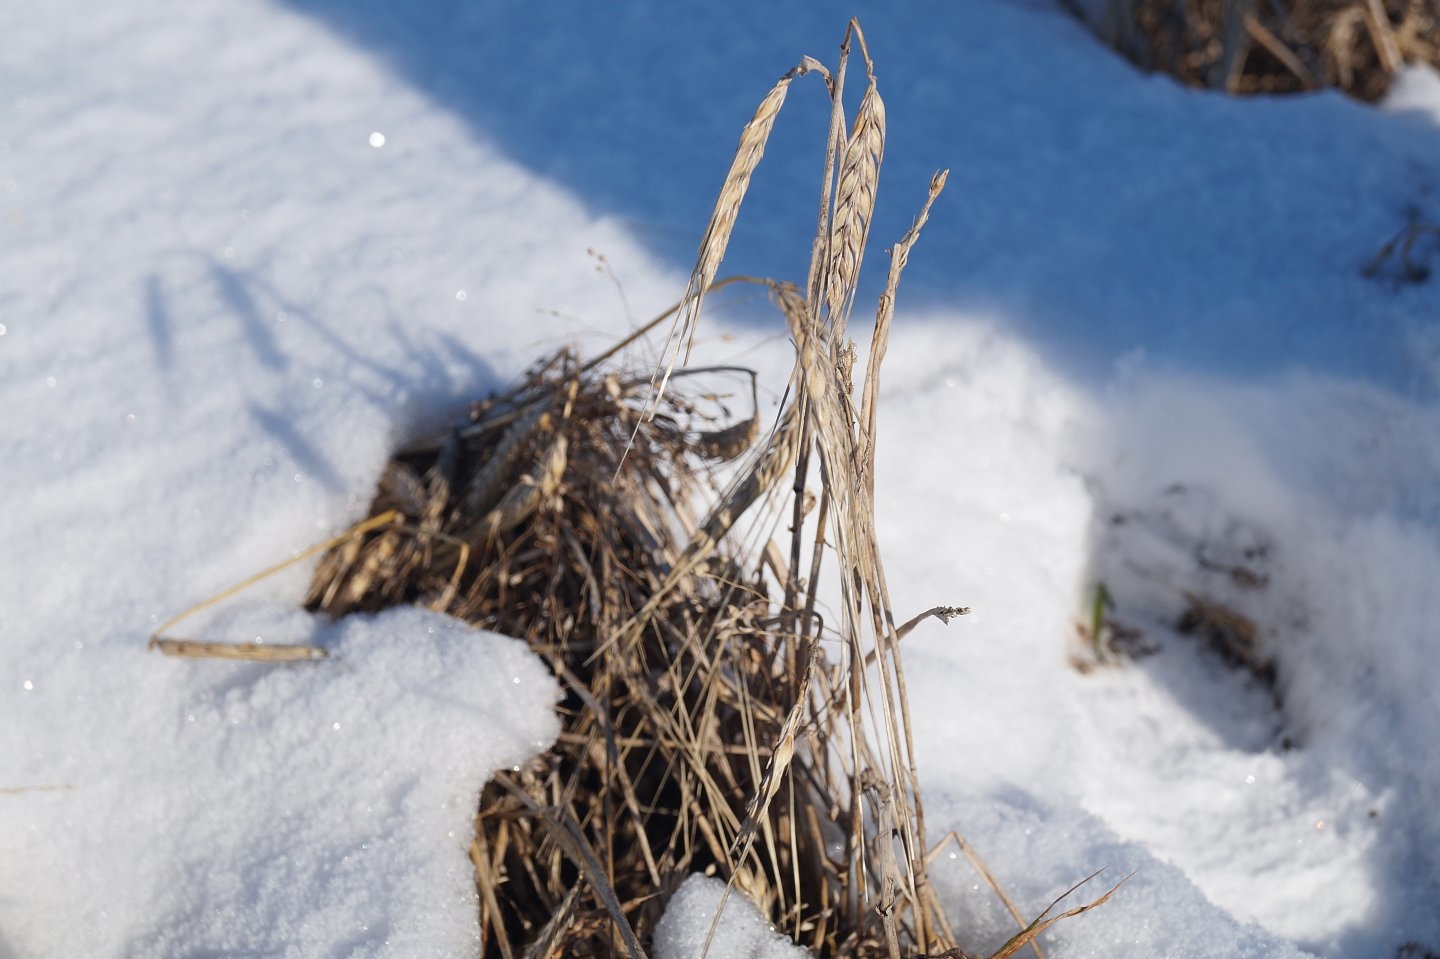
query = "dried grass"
x=1278 y=46
x=722 y=220
x=706 y=727
x=1233 y=635
x=665 y=641
x=855 y=200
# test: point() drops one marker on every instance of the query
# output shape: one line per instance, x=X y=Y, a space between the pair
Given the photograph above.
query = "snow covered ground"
x=249 y=247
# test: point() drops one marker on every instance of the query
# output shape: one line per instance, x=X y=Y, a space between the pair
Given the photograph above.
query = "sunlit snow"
x=1135 y=348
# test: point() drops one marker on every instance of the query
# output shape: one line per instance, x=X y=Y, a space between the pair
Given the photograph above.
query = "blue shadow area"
x=1094 y=211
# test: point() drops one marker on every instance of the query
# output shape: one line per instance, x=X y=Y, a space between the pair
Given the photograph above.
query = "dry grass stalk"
x=855 y=202
x=22 y=790
x=883 y=781
x=1028 y=934
x=884 y=317
x=195 y=649
x=254 y=652
x=1045 y=920
x=1283 y=54
x=989 y=877
x=722 y=221
x=1286 y=46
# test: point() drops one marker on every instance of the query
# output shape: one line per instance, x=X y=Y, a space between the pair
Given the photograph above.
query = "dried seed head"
x=722 y=222
x=855 y=203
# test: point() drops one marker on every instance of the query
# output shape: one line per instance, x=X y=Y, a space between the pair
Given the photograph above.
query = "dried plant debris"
x=1401 y=258
x=705 y=729
x=665 y=731
x=1186 y=564
x=1233 y=636
x=717 y=717
x=1028 y=933
x=1277 y=46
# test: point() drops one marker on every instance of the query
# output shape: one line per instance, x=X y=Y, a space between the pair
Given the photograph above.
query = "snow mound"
x=315 y=810
x=741 y=933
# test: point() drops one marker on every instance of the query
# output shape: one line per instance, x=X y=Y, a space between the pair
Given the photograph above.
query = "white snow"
x=250 y=247
x=740 y=933
x=315 y=811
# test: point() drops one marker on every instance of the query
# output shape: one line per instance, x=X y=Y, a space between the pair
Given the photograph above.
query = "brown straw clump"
x=665 y=720
x=1281 y=47
x=706 y=729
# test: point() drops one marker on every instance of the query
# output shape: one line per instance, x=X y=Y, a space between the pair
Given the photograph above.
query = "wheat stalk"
x=716 y=238
x=855 y=204
x=884 y=316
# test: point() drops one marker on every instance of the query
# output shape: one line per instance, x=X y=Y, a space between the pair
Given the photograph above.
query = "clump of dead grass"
x=668 y=717
x=705 y=730
x=1280 y=46
x=718 y=717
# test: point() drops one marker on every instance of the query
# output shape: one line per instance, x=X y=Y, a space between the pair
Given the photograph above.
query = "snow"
x=741 y=932
x=251 y=247
x=316 y=811
x=1329 y=486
